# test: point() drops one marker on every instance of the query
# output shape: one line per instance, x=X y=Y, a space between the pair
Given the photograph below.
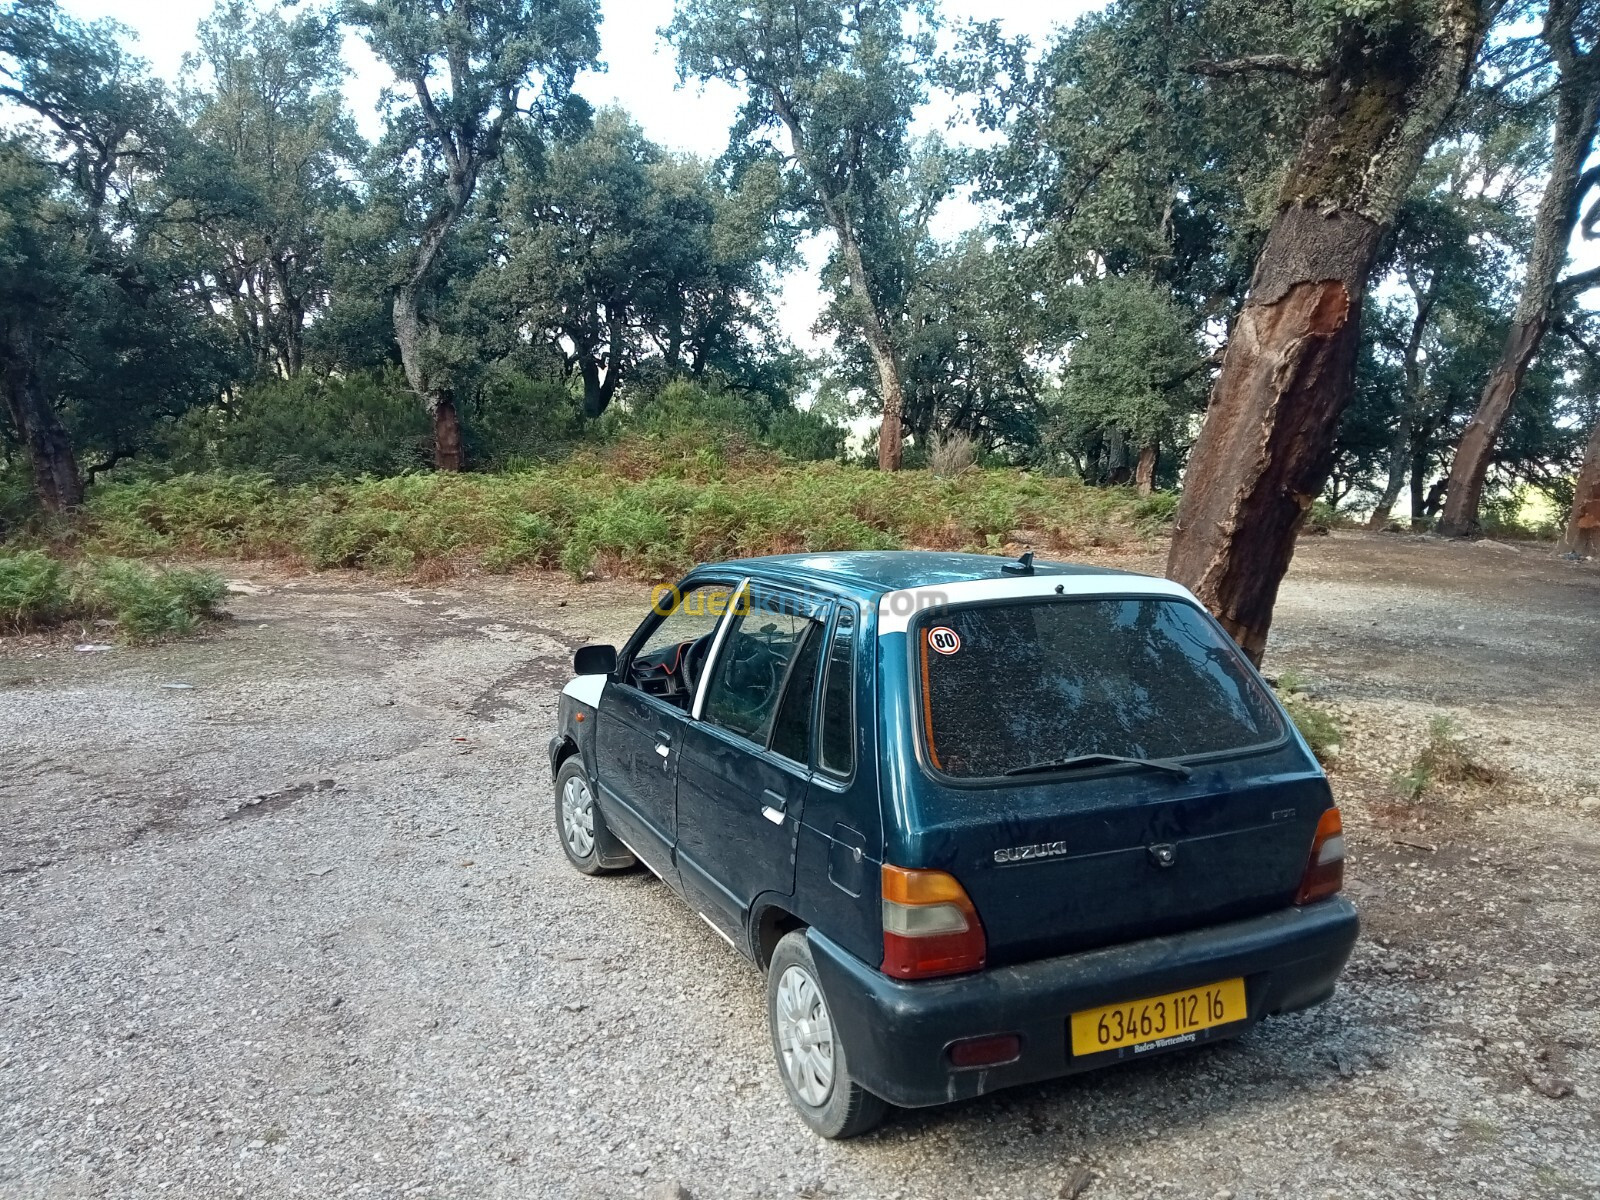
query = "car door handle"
x=663 y=743
x=775 y=806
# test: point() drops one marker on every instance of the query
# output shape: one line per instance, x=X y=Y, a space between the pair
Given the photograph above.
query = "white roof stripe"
x=896 y=610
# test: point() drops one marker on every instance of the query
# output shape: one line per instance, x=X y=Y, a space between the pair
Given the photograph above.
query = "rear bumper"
x=897 y=1034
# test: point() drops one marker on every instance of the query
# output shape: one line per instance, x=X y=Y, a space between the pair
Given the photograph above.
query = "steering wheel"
x=693 y=661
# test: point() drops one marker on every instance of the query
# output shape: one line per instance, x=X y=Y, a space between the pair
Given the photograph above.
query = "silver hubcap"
x=577 y=817
x=805 y=1036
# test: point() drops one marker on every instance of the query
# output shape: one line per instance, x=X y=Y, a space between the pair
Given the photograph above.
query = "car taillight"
x=929 y=925
x=1325 y=870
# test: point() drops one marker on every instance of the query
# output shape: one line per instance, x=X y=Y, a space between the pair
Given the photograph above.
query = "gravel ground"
x=282 y=914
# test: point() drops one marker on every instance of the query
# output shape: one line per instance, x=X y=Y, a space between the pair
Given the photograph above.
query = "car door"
x=744 y=764
x=642 y=714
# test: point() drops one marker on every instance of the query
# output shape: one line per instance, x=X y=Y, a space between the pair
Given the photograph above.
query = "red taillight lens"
x=929 y=925
x=985 y=1051
x=1325 y=869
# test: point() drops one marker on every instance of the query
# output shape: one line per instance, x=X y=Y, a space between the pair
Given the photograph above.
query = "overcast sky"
x=640 y=76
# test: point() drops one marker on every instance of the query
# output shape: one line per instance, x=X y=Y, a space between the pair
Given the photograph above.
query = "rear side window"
x=754 y=667
x=837 y=752
x=1007 y=685
x=791 y=730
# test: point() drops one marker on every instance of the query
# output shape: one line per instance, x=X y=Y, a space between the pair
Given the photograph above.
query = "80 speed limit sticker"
x=944 y=639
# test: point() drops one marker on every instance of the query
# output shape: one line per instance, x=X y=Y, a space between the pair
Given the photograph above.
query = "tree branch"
x=1573 y=285
x=1280 y=64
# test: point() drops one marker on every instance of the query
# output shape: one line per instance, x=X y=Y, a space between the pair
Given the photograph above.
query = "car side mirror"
x=595 y=660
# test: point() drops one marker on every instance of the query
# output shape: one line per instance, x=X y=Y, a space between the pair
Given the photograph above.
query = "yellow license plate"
x=1160 y=1021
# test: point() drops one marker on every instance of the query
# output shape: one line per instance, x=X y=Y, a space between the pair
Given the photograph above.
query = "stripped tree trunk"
x=1266 y=448
x=1144 y=475
x=1577 y=111
x=1583 y=530
x=56 y=480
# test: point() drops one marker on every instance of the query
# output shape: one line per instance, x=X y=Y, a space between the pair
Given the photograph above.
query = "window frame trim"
x=913 y=635
x=858 y=620
x=635 y=643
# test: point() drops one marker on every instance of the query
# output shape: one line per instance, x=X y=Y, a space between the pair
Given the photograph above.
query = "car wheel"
x=811 y=1059
x=579 y=823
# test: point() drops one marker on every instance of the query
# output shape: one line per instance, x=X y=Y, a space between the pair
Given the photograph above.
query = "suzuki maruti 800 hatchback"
x=982 y=823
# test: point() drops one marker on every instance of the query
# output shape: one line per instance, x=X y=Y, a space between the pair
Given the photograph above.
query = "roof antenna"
x=1023 y=565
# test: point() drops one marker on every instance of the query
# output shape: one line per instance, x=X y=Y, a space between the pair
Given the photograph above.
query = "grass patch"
x=1445 y=759
x=1320 y=728
x=146 y=603
x=647 y=507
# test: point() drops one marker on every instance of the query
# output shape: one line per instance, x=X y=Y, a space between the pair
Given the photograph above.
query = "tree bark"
x=1144 y=475
x=1577 y=110
x=412 y=336
x=1267 y=446
x=1399 y=461
x=448 y=454
x=56 y=480
x=1583 y=529
x=891 y=433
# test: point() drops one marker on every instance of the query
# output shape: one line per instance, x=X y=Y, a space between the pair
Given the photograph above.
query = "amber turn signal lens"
x=1325 y=868
x=930 y=927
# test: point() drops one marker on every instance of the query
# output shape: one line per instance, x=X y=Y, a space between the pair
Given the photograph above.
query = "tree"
x=276 y=146
x=476 y=73
x=1134 y=377
x=1266 y=448
x=100 y=112
x=39 y=273
x=1568 y=25
x=841 y=80
x=620 y=254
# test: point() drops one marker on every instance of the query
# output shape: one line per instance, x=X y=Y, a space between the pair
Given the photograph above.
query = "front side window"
x=668 y=662
x=761 y=652
x=1005 y=686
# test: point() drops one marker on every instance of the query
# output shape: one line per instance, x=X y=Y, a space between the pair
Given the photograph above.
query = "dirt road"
x=282 y=914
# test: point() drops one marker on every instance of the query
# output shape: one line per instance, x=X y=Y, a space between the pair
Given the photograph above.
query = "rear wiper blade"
x=1096 y=760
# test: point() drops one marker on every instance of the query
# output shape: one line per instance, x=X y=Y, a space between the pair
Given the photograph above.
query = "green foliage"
x=1445 y=758
x=804 y=435
x=308 y=428
x=148 y=604
x=37 y=590
x=1320 y=728
x=1135 y=376
x=33 y=590
x=647 y=506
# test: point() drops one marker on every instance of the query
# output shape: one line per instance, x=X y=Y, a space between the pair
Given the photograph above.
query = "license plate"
x=1159 y=1021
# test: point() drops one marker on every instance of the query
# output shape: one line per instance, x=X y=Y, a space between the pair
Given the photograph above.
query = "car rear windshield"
x=1014 y=684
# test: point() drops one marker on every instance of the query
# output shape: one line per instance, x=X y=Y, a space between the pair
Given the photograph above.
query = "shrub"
x=1323 y=518
x=33 y=590
x=17 y=502
x=1444 y=759
x=148 y=604
x=950 y=456
x=643 y=505
x=804 y=435
x=37 y=590
x=1319 y=727
x=308 y=428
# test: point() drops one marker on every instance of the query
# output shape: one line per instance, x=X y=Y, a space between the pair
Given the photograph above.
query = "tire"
x=580 y=826
x=814 y=1067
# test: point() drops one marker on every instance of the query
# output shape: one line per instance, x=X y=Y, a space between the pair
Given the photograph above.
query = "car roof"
x=868 y=574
